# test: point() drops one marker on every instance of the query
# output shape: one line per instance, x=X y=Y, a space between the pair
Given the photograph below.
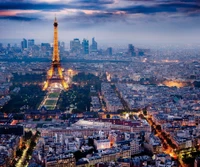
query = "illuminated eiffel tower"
x=55 y=73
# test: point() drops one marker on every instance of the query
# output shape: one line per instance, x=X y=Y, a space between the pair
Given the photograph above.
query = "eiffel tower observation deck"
x=55 y=73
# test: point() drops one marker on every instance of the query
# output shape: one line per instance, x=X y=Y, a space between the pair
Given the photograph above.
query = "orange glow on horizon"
x=15 y=12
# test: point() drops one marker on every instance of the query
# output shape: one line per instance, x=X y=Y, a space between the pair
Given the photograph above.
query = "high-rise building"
x=8 y=46
x=109 y=51
x=24 y=44
x=45 y=47
x=85 y=46
x=75 y=45
x=93 y=46
x=63 y=45
x=131 y=50
x=31 y=43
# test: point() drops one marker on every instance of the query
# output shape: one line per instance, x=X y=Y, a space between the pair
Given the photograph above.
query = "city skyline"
x=110 y=21
x=102 y=83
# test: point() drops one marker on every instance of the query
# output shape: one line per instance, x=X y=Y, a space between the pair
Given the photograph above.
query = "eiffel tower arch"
x=55 y=73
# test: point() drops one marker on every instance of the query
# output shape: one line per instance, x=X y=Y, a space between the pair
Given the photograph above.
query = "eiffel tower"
x=55 y=73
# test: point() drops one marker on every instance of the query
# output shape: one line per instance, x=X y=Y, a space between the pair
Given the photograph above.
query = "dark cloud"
x=18 y=18
x=162 y=6
x=107 y=14
x=97 y=2
x=83 y=20
x=79 y=4
x=166 y=1
x=29 y=6
x=157 y=6
x=92 y=18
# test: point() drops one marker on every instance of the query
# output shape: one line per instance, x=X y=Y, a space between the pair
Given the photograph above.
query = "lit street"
x=21 y=162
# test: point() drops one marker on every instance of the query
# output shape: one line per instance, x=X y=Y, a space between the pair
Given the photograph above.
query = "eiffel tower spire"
x=55 y=74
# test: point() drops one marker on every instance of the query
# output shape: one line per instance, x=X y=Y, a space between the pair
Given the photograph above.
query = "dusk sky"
x=109 y=21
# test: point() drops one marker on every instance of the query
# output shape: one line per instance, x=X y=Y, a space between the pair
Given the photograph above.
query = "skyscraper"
x=93 y=46
x=24 y=44
x=109 y=51
x=85 y=46
x=8 y=46
x=45 y=47
x=31 y=43
x=75 y=45
x=131 y=50
x=63 y=45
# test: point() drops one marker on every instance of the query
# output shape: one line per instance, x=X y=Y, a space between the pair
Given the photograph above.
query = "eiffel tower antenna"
x=55 y=64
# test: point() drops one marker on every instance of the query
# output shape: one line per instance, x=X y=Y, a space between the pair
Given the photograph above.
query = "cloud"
x=85 y=18
x=55 y=5
x=165 y=7
x=29 y=6
x=89 y=12
x=18 y=18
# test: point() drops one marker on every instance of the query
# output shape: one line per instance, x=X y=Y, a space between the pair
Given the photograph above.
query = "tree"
x=120 y=111
x=78 y=155
x=145 y=112
x=32 y=144
x=78 y=96
x=65 y=116
x=76 y=111
x=19 y=153
x=28 y=135
x=90 y=142
x=29 y=97
x=108 y=116
x=141 y=116
x=158 y=127
x=196 y=83
x=131 y=116
x=18 y=116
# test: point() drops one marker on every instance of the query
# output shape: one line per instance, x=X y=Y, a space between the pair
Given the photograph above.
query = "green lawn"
x=54 y=95
x=49 y=108
x=50 y=102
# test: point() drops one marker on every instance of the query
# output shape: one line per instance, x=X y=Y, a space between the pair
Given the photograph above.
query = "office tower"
x=31 y=43
x=75 y=45
x=45 y=47
x=140 y=52
x=93 y=46
x=109 y=51
x=63 y=45
x=131 y=50
x=8 y=46
x=1 y=45
x=24 y=44
x=85 y=46
x=55 y=73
